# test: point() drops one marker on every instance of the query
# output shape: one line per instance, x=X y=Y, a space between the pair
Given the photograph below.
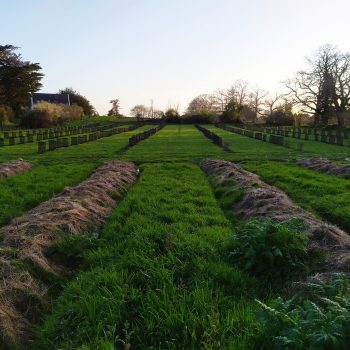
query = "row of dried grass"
x=75 y=211
x=263 y=200
x=14 y=167
x=324 y=165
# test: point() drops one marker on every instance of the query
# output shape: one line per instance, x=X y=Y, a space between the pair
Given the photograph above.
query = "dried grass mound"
x=324 y=165
x=76 y=210
x=263 y=200
x=14 y=167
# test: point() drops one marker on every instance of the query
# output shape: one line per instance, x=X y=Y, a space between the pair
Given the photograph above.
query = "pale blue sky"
x=169 y=50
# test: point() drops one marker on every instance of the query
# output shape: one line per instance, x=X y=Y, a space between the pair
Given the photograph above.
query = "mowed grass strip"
x=53 y=171
x=245 y=148
x=175 y=142
x=102 y=147
x=311 y=147
x=325 y=195
x=160 y=278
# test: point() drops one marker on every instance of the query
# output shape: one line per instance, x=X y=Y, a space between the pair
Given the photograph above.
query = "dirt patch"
x=14 y=167
x=25 y=240
x=263 y=200
x=324 y=165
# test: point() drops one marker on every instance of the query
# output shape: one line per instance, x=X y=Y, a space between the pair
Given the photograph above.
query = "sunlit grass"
x=162 y=279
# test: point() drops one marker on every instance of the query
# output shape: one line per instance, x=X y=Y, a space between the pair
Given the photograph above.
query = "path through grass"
x=175 y=142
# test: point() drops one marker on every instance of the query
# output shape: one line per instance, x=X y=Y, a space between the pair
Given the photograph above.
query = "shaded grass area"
x=325 y=195
x=245 y=148
x=311 y=147
x=160 y=278
x=53 y=171
x=175 y=142
x=29 y=151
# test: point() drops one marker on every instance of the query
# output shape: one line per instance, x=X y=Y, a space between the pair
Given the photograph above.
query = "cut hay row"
x=25 y=240
x=14 y=167
x=263 y=200
x=324 y=165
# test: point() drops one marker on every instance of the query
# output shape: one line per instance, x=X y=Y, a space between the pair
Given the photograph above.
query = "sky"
x=169 y=51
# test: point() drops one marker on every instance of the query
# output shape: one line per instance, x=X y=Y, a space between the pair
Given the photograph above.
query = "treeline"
x=19 y=79
x=317 y=94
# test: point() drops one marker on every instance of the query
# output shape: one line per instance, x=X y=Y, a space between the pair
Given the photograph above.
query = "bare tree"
x=139 y=111
x=202 y=102
x=241 y=87
x=271 y=103
x=114 y=111
x=323 y=88
x=256 y=100
x=341 y=97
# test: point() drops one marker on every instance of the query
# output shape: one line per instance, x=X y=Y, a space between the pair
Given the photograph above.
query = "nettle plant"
x=316 y=318
x=272 y=251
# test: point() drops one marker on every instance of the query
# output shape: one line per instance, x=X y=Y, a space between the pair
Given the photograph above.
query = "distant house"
x=52 y=98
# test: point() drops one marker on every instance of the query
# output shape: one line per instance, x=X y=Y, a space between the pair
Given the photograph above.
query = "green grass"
x=159 y=275
x=22 y=192
x=53 y=171
x=245 y=148
x=162 y=279
x=175 y=142
x=325 y=195
x=311 y=147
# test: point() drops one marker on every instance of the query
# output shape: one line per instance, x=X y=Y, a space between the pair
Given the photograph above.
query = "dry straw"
x=14 y=167
x=25 y=240
x=324 y=165
x=263 y=200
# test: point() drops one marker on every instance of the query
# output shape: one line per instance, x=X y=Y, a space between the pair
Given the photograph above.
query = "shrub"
x=6 y=114
x=73 y=112
x=71 y=250
x=37 y=118
x=272 y=251
x=280 y=117
x=171 y=116
x=45 y=114
x=204 y=117
x=320 y=321
x=232 y=113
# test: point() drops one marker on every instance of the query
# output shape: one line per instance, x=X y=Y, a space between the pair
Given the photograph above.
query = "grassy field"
x=173 y=143
x=325 y=195
x=53 y=171
x=160 y=274
x=245 y=147
x=161 y=279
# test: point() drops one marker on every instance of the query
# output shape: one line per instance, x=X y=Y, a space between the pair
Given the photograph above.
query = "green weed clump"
x=272 y=251
x=72 y=249
x=318 y=318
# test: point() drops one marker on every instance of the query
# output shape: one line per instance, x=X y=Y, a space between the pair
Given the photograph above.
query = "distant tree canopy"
x=232 y=113
x=282 y=115
x=114 y=111
x=80 y=100
x=18 y=79
x=323 y=87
